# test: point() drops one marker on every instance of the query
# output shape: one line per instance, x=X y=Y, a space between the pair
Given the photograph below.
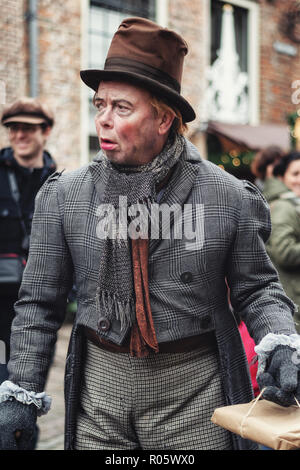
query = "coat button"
x=206 y=322
x=186 y=277
x=103 y=324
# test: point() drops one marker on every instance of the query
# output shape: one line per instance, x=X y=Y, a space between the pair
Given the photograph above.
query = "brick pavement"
x=52 y=424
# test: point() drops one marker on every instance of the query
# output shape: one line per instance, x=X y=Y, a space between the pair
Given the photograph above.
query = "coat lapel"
x=97 y=175
x=177 y=189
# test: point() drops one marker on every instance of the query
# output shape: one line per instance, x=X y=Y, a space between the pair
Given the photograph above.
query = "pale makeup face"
x=27 y=142
x=129 y=131
x=291 y=177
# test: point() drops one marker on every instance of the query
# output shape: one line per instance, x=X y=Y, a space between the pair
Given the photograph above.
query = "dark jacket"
x=29 y=182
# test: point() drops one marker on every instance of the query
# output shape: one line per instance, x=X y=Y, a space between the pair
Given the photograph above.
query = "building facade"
x=242 y=69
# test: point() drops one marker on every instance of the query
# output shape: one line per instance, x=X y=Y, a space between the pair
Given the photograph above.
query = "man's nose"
x=20 y=133
x=105 y=117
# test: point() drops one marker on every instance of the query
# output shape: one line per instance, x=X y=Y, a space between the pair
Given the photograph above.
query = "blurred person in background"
x=283 y=246
x=263 y=164
x=24 y=167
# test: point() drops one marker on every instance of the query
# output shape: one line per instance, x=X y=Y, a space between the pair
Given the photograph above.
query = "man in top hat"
x=154 y=235
x=24 y=167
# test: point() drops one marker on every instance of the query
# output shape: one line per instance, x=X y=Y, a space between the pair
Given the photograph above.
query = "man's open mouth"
x=107 y=144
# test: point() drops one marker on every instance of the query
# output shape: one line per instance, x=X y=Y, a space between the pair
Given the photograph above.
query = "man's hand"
x=17 y=426
x=281 y=377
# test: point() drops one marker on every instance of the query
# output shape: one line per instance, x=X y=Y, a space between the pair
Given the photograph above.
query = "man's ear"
x=46 y=131
x=166 y=122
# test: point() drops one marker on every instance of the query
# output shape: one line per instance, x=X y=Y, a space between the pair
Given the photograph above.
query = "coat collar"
x=184 y=174
x=181 y=183
x=178 y=187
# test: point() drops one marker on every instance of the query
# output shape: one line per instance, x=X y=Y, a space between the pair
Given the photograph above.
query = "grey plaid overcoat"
x=187 y=278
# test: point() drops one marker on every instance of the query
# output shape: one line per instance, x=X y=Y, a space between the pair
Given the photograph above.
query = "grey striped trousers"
x=163 y=401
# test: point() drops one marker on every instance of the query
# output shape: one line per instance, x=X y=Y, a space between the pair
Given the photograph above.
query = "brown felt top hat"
x=28 y=110
x=144 y=53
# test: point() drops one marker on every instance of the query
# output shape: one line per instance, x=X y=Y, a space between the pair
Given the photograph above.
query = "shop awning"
x=248 y=137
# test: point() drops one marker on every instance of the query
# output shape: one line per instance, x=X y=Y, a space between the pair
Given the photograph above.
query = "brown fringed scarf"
x=123 y=291
x=143 y=337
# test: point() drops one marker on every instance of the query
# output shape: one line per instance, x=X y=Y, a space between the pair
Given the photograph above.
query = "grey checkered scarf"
x=135 y=186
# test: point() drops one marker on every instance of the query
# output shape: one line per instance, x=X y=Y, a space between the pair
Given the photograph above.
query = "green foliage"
x=233 y=161
x=291 y=120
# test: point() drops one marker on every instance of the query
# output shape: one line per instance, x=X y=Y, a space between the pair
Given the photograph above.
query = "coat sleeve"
x=47 y=280
x=255 y=291
x=283 y=245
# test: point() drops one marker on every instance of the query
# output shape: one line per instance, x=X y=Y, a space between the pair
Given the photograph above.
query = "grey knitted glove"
x=281 y=376
x=20 y=418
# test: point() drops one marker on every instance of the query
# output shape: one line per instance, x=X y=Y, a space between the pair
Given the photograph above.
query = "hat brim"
x=92 y=78
x=25 y=119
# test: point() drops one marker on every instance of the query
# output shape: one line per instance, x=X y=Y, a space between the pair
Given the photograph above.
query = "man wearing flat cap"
x=154 y=235
x=24 y=167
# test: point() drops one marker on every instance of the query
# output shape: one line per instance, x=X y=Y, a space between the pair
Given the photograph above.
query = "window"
x=144 y=8
x=240 y=16
x=104 y=19
x=232 y=94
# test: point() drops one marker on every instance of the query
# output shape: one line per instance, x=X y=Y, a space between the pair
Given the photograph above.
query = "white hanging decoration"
x=226 y=96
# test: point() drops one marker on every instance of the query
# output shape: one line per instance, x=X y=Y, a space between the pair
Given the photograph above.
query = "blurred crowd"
x=278 y=176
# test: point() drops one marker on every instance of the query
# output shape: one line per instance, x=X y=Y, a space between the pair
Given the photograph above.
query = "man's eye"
x=98 y=105
x=122 y=108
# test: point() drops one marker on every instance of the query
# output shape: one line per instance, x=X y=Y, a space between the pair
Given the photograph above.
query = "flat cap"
x=28 y=110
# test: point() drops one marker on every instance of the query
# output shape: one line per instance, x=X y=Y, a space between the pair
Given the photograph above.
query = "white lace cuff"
x=269 y=343
x=9 y=391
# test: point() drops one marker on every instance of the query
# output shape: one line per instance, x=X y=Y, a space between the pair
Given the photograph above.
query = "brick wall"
x=59 y=56
x=59 y=82
x=278 y=70
x=59 y=64
x=13 y=57
x=190 y=19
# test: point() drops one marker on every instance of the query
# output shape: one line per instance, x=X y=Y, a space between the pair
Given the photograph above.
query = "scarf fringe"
x=112 y=307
